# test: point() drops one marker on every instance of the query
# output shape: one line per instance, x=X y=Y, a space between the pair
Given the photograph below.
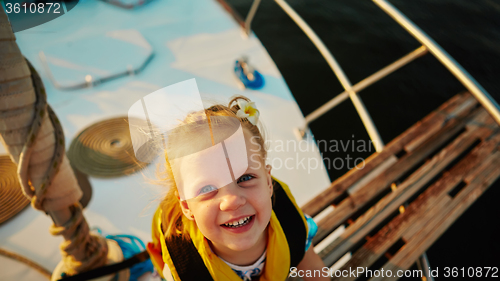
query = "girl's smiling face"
x=234 y=218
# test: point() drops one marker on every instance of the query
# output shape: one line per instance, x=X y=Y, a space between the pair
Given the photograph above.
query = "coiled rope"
x=105 y=149
x=12 y=200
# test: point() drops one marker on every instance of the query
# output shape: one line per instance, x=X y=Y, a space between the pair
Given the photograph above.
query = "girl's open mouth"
x=240 y=223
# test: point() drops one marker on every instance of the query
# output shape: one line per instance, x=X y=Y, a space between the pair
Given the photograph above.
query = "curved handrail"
x=356 y=100
x=454 y=67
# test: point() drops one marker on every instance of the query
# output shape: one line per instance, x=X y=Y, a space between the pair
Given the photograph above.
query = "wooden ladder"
x=406 y=196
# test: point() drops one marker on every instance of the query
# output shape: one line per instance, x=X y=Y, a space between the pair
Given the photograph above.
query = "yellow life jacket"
x=194 y=260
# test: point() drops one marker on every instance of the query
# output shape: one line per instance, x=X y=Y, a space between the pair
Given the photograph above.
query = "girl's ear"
x=185 y=208
x=186 y=211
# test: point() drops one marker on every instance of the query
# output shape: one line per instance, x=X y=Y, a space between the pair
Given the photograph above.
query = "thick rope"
x=81 y=242
x=31 y=132
x=26 y=261
x=34 y=139
x=51 y=151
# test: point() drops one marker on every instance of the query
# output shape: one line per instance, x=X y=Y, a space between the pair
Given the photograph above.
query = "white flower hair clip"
x=248 y=110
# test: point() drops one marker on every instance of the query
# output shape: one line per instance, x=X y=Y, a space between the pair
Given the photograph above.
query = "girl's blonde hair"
x=173 y=218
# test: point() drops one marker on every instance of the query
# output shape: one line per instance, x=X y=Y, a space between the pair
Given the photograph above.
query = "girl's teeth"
x=238 y=223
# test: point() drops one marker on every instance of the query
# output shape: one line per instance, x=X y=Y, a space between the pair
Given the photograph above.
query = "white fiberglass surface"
x=104 y=56
x=190 y=39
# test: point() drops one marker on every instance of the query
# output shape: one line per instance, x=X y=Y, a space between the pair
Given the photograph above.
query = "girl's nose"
x=232 y=198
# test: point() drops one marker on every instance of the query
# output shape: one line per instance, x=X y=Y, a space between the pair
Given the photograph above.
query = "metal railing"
x=428 y=45
x=356 y=100
x=454 y=67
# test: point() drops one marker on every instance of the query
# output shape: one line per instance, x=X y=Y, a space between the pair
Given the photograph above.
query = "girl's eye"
x=206 y=189
x=245 y=178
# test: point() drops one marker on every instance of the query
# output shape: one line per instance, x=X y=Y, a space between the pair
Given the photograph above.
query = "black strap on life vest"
x=108 y=269
x=190 y=266
x=292 y=224
x=187 y=260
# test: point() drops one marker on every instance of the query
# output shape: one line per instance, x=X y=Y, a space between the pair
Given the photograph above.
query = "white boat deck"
x=190 y=39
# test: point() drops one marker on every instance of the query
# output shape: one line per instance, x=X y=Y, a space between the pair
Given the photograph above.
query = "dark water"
x=364 y=39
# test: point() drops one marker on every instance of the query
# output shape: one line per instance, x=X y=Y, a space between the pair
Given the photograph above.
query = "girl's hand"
x=311 y=262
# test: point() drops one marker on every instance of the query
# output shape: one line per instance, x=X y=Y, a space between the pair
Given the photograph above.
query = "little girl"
x=225 y=217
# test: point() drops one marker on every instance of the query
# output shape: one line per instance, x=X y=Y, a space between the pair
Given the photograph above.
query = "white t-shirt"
x=247 y=272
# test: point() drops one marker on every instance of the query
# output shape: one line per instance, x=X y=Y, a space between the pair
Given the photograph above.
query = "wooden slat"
x=409 y=160
x=460 y=109
x=433 y=198
x=435 y=119
x=373 y=174
x=443 y=219
x=391 y=202
x=462 y=171
x=358 y=199
x=338 y=187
